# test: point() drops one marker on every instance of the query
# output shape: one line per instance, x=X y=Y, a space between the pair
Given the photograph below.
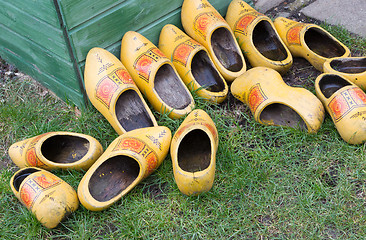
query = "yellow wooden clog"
x=47 y=196
x=56 y=150
x=112 y=91
x=128 y=160
x=203 y=23
x=155 y=76
x=352 y=68
x=193 y=152
x=310 y=41
x=346 y=104
x=257 y=37
x=193 y=63
x=273 y=102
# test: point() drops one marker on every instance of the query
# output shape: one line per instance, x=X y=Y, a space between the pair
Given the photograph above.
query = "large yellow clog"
x=128 y=160
x=273 y=102
x=56 y=150
x=310 y=41
x=193 y=63
x=203 y=23
x=257 y=37
x=155 y=76
x=346 y=104
x=47 y=196
x=112 y=91
x=352 y=68
x=193 y=151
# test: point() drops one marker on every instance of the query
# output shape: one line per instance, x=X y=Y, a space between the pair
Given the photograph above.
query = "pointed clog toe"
x=193 y=63
x=113 y=93
x=47 y=196
x=128 y=160
x=202 y=22
x=273 y=102
x=56 y=150
x=193 y=152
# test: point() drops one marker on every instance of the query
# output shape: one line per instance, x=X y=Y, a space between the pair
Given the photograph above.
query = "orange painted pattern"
x=182 y=51
x=143 y=66
x=256 y=97
x=205 y=20
x=242 y=24
x=46 y=182
x=31 y=157
x=152 y=163
x=27 y=195
x=124 y=76
x=105 y=90
x=293 y=34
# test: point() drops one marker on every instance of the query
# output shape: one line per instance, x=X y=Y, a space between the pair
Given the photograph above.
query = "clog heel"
x=346 y=104
x=257 y=37
x=352 y=68
x=56 y=150
x=273 y=102
x=47 y=196
x=310 y=41
x=112 y=91
x=193 y=152
x=203 y=23
x=128 y=160
x=155 y=76
x=193 y=63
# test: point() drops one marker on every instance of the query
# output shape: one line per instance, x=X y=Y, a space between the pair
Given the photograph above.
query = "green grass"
x=270 y=182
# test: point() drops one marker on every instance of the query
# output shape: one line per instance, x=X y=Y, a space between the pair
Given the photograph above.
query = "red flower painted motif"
x=339 y=107
x=152 y=162
x=124 y=76
x=31 y=157
x=255 y=98
x=157 y=52
x=129 y=144
x=46 y=182
x=142 y=65
x=201 y=23
x=243 y=23
x=358 y=95
x=105 y=90
x=293 y=34
x=27 y=194
x=181 y=53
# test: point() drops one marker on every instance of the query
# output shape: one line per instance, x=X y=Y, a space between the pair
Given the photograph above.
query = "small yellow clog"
x=193 y=152
x=310 y=41
x=273 y=102
x=346 y=104
x=128 y=160
x=203 y=23
x=47 y=196
x=257 y=37
x=352 y=68
x=193 y=63
x=155 y=76
x=56 y=150
x=112 y=91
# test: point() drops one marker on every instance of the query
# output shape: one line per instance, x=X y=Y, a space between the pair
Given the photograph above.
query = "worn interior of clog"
x=205 y=73
x=194 y=151
x=329 y=84
x=65 y=148
x=349 y=65
x=267 y=42
x=112 y=177
x=131 y=112
x=322 y=44
x=170 y=88
x=223 y=45
x=282 y=115
x=20 y=176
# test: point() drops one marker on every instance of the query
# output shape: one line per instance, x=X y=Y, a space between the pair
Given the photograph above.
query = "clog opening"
x=131 y=112
x=170 y=88
x=194 y=152
x=267 y=42
x=205 y=72
x=224 y=47
x=329 y=84
x=112 y=177
x=282 y=115
x=349 y=65
x=322 y=44
x=65 y=148
x=21 y=175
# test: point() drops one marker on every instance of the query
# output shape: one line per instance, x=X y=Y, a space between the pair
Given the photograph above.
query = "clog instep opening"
x=322 y=44
x=329 y=84
x=349 y=65
x=20 y=176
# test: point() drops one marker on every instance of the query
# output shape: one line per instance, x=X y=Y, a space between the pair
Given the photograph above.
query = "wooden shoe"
x=310 y=42
x=155 y=76
x=273 y=102
x=47 y=196
x=203 y=23
x=346 y=104
x=193 y=63
x=257 y=37
x=112 y=91
x=56 y=150
x=193 y=152
x=352 y=68
x=128 y=160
